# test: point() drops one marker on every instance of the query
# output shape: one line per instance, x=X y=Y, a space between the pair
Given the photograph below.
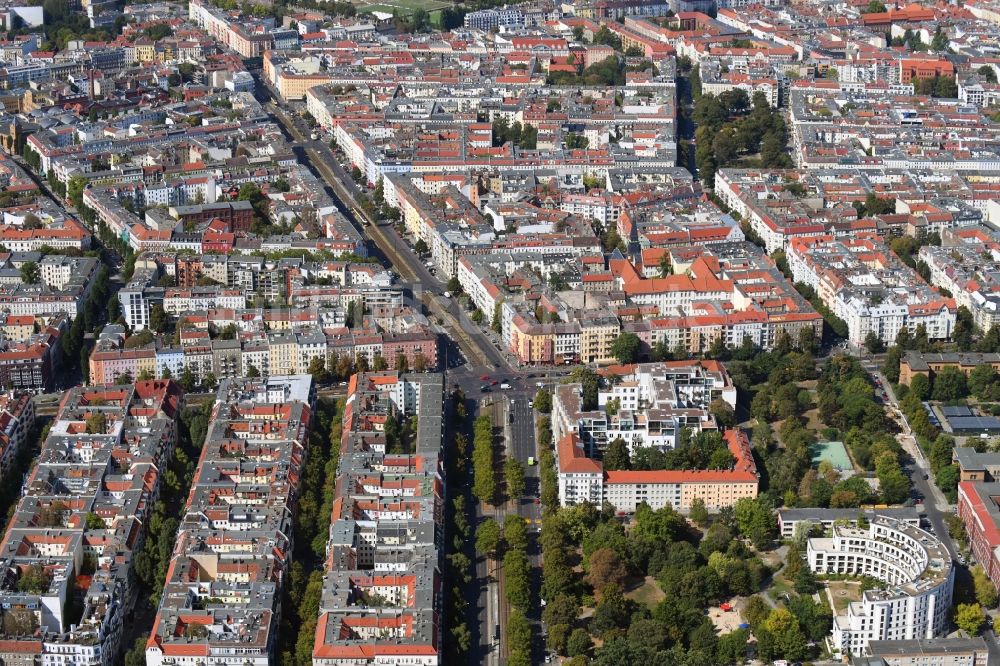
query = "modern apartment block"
x=789 y=520
x=915 y=567
x=382 y=592
x=650 y=406
x=221 y=602
x=68 y=549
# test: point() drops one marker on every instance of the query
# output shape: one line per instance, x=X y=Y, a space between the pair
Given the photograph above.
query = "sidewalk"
x=909 y=443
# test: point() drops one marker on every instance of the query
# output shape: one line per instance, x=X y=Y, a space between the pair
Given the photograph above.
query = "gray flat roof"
x=928 y=646
x=819 y=515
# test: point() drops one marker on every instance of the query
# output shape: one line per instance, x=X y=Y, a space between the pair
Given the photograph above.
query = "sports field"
x=834 y=452
x=403 y=7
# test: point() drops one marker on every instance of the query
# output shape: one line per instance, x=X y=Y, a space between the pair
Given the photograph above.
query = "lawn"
x=403 y=7
x=843 y=593
x=647 y=593
x=778 y=588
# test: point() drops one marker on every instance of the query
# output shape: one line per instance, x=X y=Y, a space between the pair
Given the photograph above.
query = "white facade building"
x=915 y=567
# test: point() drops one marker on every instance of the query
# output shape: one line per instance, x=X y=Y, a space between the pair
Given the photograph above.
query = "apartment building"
x=293 y=75
x=487 y=19
x=382 y=589
x=32 y=364
x=649 y=406
x=791 y=521
x=583 y=479
x=916 y=568
x=956 y=651
x=234 y=542
x=17 y=417
x=106 y=447
x=969 y=268
x=863 y=282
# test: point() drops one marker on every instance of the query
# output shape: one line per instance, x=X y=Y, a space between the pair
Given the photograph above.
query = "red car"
x=494 y=383
x=485 y=378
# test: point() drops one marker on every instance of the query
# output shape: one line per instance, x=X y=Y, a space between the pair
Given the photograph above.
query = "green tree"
x=488 y=537
x=986 y=594
x=940 y=41
x=514 y=476
x=557 y=638
x=617 y=456
x=515 y=531
x=982 y=381
x=579 y=643
x=517 y=584
x=94 y=522
x=755 y=521
x=97 y=424
x=920 y=386
x=786 y=638
x=873 y=343
x=30 y=274
x=732 y=647
x=698 y=513
x=158 y=318
x=723 y=412
x=970 y=618
x=590 y=385
x=209 y=382
x=949 y=384
x=543 y=401
x=74 y=190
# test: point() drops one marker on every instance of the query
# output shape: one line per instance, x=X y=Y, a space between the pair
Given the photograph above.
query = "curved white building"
x=914 y=565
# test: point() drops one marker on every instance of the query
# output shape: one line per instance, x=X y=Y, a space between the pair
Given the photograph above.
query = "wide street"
x=421 y=285
x=473 y=360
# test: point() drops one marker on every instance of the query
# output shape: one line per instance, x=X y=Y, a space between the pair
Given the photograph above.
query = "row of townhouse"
x=865 y=284
x=33 y=363
x=968 y=266
x=17 y=417
x=261 y=284
x=68 y=234
x=249 y=42
x=295 y=350
x=221 y=600
x=68 y=549
x=730 y=294
x=63 y=285
x=583 y=479
x=383 y=592
x=650 y=407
